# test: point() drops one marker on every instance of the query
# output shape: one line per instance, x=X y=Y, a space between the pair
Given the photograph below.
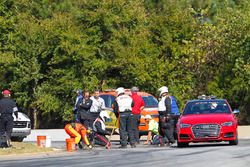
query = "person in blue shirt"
x=166 y=121
x=77 y=102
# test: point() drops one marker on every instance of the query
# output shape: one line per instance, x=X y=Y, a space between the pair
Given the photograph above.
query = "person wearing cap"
x=136 y=111
x=153 y=132
x=153 y=127
x=7 y=108
x=123 y=110
x=166 y=122
x=80 y=133
x=77 y=102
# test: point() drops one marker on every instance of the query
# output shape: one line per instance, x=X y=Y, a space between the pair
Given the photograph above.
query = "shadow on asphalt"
x=209 y=144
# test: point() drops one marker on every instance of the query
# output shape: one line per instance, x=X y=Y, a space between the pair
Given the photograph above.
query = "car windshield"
x=206 y=107
x=150 y=101
x=109 y=100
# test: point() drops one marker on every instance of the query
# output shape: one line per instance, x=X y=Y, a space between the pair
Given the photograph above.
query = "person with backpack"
x=166 y=121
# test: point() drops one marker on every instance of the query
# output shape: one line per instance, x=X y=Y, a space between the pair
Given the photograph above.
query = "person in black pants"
x=136 y=111
x=166 y=122
x=83 y=111
x=7 y=108
x=99 y=130
x=123 y=110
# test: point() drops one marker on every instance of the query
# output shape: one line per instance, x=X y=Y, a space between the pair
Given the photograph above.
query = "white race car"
x=22 y=127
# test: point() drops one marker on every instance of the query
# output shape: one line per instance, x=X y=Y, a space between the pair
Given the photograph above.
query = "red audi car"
x=207 y=120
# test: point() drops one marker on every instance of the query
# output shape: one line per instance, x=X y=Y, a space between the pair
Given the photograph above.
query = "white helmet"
x=103 y=114
x=120 y=90
x=163 y=89
x=148 y=117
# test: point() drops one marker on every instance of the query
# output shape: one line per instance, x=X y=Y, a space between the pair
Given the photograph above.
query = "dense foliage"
x=50 y=48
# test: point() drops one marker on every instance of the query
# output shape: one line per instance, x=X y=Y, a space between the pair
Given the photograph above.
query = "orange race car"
x=151 y=108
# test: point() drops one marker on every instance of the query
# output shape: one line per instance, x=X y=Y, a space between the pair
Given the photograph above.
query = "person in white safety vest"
x=123 y=110
x=166 y=122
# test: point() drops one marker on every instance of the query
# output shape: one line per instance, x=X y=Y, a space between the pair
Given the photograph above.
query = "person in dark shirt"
x=99 y=130
x=7 y=108
x=78 y=100
x=166 y=121
x=83 y=110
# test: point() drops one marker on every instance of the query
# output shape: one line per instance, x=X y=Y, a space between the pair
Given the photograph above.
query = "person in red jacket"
x=78 y=132
x=136 y=111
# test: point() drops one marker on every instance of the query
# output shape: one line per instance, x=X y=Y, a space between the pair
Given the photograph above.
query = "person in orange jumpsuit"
x=79 y=132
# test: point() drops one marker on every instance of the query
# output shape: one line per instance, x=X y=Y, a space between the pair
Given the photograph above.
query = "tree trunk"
x=35 y=118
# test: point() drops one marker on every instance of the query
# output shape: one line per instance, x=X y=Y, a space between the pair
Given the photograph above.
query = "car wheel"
x=182 y=144
x=234 y=142
x=18 y=139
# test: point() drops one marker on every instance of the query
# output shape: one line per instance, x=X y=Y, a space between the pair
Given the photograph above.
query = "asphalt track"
x=197 y=155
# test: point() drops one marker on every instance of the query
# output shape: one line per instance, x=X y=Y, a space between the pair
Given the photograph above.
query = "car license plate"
x=205 y=127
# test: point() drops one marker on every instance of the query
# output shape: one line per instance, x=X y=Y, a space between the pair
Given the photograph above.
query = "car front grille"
x=20 y=124
x=206 y=130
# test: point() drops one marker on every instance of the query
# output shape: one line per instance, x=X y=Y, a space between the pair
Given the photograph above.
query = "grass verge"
x=22 y=148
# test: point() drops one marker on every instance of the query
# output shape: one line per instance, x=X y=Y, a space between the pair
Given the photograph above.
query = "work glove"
x=89 y=130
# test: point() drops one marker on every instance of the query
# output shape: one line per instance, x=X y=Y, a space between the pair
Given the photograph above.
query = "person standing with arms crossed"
x=123 y=110
x=83 y=110
x=136 y=111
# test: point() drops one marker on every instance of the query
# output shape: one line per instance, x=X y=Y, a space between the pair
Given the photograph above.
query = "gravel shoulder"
x=20 y=148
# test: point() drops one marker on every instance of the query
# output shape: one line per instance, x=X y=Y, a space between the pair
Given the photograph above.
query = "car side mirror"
x=236 y=111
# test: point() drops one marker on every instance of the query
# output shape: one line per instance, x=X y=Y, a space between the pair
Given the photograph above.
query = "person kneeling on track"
x=100 y=131
x=153 y=128
x=79 y=132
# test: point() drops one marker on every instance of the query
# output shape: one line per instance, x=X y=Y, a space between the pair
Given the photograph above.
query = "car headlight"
x=227 y=124
x=185 y=125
